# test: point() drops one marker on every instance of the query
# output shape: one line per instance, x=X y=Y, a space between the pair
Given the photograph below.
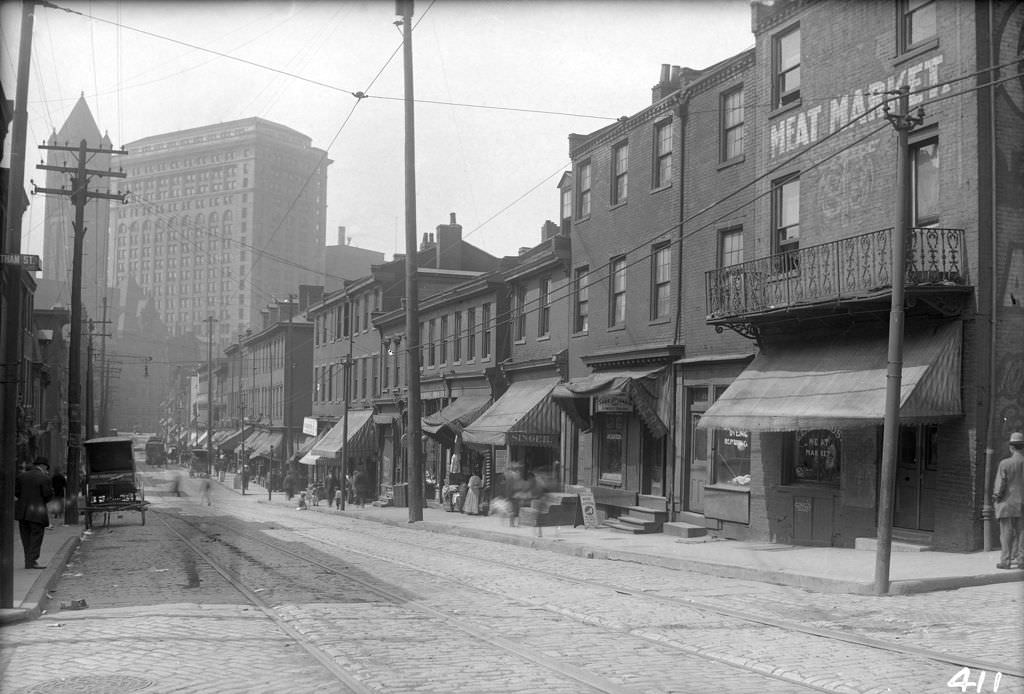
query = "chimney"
x=342 y=241
x=426 y=242
x=667 y=82
x=548 y=230
x=449 y=245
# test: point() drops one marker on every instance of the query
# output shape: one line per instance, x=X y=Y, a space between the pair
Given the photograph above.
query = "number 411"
x=962 y=680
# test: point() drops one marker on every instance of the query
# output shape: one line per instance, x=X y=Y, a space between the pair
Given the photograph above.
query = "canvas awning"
x=231 y=438
x=643 y=389
x=302 y=452
x=267 y=445
x=359 y=428
x=457 y=415
x=841 y=383
x=523 y=416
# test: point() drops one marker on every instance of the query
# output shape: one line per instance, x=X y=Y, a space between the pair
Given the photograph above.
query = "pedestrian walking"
x=471 y=505
x=359 y=487
x=245 y=479
x=337 y=498
x=60 y=490
x=205 y=489
x=32 y=490
x=1008 y=496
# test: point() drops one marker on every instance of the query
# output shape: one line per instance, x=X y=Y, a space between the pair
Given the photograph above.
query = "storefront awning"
x=523 y=416
x=458 y=415
x=639 y=389
x=303 y=448
x=842 y=383
x=333 y=441
x=231 y=438
x=268 y=445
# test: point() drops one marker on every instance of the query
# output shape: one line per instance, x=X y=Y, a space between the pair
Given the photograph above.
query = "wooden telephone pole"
x=80 y=196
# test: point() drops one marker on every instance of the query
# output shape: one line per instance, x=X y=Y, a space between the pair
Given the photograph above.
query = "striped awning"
x=642 y=390
x=842 y=382
x=523 y=416
x=456 y=416
x=360 y=431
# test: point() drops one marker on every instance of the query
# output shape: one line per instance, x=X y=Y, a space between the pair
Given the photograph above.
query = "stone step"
x=871 y=544
x=647 y=513
x=684 y=529
x=623 y=524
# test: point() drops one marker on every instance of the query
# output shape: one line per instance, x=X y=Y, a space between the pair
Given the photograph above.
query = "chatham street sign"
x=26 y=260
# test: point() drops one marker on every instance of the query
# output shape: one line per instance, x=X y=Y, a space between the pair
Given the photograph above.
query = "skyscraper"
x=58 y=232
x=221 y=220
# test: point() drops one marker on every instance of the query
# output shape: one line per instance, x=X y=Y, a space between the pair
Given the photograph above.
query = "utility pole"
x=903 y=122
x=90 y=397
x=80 y=196
x=210 y=320
x=10 y=243
x=346 y=390
x=286 y=444
x=412 y=313
x=105 y=377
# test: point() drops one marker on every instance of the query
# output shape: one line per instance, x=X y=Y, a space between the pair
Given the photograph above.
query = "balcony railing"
x=851 y=268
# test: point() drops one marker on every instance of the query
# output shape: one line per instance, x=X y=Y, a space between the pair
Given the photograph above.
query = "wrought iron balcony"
x=850 y=269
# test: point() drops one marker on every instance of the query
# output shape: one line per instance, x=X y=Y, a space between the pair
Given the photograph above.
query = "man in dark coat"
x=32 y=490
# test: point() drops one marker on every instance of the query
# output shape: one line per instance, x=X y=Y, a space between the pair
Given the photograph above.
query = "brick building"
x=816 y=279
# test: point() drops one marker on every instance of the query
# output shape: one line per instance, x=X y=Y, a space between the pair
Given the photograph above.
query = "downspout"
x=679 y=451
x=986 y=506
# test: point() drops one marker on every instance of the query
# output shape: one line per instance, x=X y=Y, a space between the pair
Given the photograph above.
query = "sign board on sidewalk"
x=588 y=506
x=26 y=260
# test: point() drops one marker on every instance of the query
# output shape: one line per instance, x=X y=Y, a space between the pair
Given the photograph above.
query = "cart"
x=112 y=484
x=200 y=465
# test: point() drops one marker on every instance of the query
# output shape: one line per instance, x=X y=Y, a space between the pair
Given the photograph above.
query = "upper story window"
x=444 y=339
x=620 y=173
x=662 y=175
x=732 y=124
x=583 y=191
x=786 y=221
x=457 y=336
x=730 y=247
x=431 y=345
x=924 y=174
x=566 y=211
x=661 y=281
x=917 y=23
x=581 y=302
x=485 y=331
x=519 y=313
x=544 y=308
x=786 y=67
x=471 y=333
x=617 y=291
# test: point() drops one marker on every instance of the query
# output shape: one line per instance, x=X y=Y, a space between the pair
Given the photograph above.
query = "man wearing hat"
x=32 y=490
x=1008 y=496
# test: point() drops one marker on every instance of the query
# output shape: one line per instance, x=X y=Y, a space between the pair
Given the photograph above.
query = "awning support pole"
x=903 y=122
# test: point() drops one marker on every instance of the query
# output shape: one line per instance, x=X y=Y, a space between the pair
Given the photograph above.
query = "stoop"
x=679 y=529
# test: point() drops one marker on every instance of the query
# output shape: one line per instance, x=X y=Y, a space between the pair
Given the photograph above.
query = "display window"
x=732 y=457
x=815 y=456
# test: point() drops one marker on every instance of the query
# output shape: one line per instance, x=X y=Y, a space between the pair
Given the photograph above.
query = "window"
x=519 y=313
x=431 y=345
x=661 y=281
x=730 y=247
x=471 y=333
x=375 y=375
x=731 y=456
x=566 y=213
x=444 y=339
x=613 y=453
x=786 y=222
x=457 y=337
x=917 y=23
x=617 y=288
x=814 y=456
x=583 y=195
x=732 y=124
x=364 y=368
x=544 y=308
x=581 y=305
x=786 y=61
x=485 y=331
x=620 y=173
x=662 y=175
x=924 y=174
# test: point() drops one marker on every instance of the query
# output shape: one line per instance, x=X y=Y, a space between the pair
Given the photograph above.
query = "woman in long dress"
x=472 y=505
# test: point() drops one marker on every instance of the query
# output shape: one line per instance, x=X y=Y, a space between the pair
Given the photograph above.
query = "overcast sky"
x=514 y=79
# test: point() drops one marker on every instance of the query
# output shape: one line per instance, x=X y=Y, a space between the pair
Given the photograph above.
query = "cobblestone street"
x=249 y=596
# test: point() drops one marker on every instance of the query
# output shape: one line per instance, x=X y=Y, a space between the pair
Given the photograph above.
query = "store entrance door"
x=698 y=465
x=916 y=472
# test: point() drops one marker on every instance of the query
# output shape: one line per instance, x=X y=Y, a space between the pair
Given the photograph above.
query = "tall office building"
x=58 y=232
x=221 y=220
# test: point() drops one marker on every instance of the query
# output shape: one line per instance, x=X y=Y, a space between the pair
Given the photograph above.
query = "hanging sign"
x=309 y=426
x=588 y=506
x=613 y=403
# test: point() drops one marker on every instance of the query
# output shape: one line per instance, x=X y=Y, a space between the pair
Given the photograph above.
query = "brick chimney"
x=548 y=230
x=449 y=245
x=342 y=241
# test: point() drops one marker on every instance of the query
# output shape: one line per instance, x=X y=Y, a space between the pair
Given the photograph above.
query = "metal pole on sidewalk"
x=903 y=122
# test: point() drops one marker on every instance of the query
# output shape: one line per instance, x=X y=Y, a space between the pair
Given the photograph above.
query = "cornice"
x=627 y=123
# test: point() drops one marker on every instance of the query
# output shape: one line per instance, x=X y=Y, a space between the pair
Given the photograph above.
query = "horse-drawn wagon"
x=112 y=485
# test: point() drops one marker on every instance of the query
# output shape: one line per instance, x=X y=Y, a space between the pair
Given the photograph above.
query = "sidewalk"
x=821 y=569
x=31 y=585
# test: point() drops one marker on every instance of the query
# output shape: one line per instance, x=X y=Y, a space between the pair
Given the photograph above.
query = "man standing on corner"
x=32 y=490
x=1008 y=496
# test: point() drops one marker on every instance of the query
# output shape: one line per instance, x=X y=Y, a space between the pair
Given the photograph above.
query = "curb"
x=32 y=606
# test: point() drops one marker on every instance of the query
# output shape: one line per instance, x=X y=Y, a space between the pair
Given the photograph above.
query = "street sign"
x=26 y=260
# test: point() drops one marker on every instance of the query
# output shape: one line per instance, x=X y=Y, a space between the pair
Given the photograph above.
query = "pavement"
x=819 y=569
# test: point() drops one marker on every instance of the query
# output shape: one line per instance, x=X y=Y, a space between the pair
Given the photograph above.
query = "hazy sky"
x=513 y=79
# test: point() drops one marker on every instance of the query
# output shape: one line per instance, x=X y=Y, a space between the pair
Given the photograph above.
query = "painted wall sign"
x=807 y=126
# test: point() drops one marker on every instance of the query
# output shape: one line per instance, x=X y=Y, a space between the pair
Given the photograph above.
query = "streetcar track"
x=594 y=681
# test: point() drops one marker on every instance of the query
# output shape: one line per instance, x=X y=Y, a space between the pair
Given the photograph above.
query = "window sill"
x=666 y=186
x=726 y=487
x=804 y=486
x=520 y=341
x=617 y=205
x=728 y=163
x=774 y=113
x=580 y=333
x=660 y=321
x=915 y=51
x=616 y=328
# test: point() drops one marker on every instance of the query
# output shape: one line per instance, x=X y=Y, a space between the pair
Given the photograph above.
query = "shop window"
x=613 y=452
x=814 y=456
x=731 y=455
